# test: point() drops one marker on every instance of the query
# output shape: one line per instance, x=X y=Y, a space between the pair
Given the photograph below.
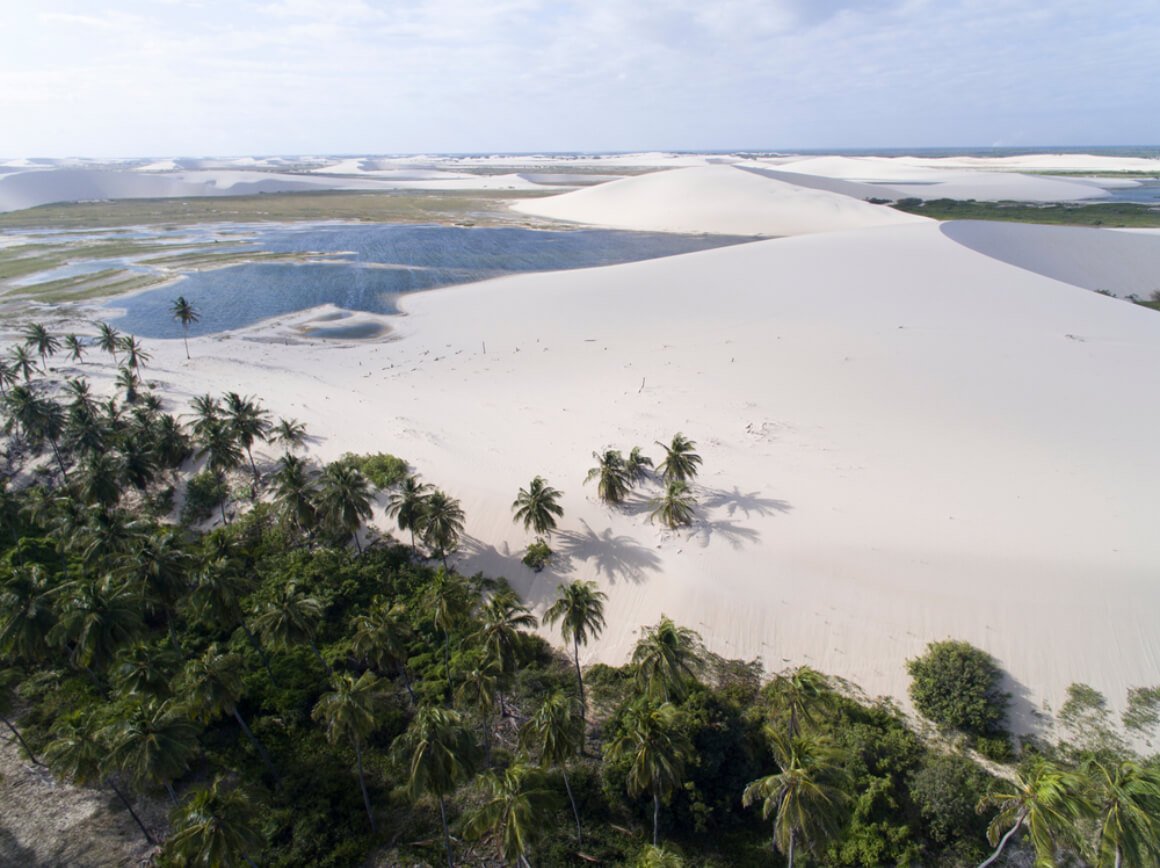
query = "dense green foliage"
x=1104 y=214
x=957 y=685
x=383 y=470
x=308 y=692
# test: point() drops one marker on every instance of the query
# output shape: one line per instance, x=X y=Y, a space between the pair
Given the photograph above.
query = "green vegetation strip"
x=1111 y=214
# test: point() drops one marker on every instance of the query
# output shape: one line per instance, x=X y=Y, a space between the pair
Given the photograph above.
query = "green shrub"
x=381 y=469
x=538 y=555
x=996 y=748
x=957 y=685
x=203 y=494
x=946 y=790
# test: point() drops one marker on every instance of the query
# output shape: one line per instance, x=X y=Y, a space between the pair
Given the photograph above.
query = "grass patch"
x=373 y=207
x=1110 y=214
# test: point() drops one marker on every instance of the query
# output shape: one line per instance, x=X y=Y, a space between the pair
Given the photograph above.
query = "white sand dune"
x=1123 y=263
x=904 y=440
x=716 y=199
x=928 y=179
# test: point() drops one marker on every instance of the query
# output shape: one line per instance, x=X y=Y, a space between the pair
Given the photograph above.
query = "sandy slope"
x=904 y=440
x=721 y=199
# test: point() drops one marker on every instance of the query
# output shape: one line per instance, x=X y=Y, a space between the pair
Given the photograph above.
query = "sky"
x=205 y=77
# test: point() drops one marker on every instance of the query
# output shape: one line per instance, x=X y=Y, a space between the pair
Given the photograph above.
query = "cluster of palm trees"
x=616 y=476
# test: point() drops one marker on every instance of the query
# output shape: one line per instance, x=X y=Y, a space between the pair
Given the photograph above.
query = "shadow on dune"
x=615 y=557
x=747 y=503
x=733 y=533
x=1023 y=716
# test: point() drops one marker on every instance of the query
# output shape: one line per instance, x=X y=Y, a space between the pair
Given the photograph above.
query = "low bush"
x=382 y=469
x=203 y=494
x=537 y=556
x=957 y=685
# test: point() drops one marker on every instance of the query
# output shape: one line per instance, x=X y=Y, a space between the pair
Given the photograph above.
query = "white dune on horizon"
x=723 y=199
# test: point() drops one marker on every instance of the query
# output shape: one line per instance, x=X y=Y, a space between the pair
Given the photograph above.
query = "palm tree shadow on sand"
x=617 y=557
x=737 y=501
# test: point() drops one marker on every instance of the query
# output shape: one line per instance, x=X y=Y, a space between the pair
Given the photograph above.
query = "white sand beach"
x=910 y=431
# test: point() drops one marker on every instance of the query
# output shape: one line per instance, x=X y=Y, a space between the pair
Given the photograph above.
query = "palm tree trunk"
x=446 y=834
x=575 y=813
x=222 y=506
x=362 y=782
x=56 y=454
x=1119 y=857
x=129 y=806
x=258 y=746
x=253 y=466
x=357 y=544
x=580 y=686
x=656 y=818
x=1003 y=841
x=321 y=660
x=172 y=794
x=447 y=657
x=261 y=653
x=789 y=856
x=185 y=337
x=20 y=739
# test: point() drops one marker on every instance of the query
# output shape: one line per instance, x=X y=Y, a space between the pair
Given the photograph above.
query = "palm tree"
x=146 y=669
x=159 y=568
x=450 y=600
x=135 y=355
x=22 y=362
x=344 y=499
x=99 y=480
x=129 y=380
x=212 y=686
x=291 y=619
x=638 y=465
x=806 y=798
x=408 y=505
x=652 y=742
x=798 y=695
x=109 y=340
x=289 y=432
x=153 y=743
x=39 y=419
x=185 y=314
x=442 y=524
x=380 y=638
x=1048 y=801
x=7 y=719
x=667 y=659
x=139 y=463
x=556 y=730
x=7 y=377
x=681 y=462
x=349 y=713
x=215 y=826
x=294 y=492
x=479 y=689
x=439 y=753
x=674 y=508
x=537 y=507
x=514 y=810
x=95 y=619
x=170 y=443
x=78 y=755
x=76 y=350
x=207 y=413
x=503 y=617
x=216 y=602
x=26 y=606
x=45 y=344
x=612 y=476
x=579 y=607
x=248 y=421
x=1127 y=802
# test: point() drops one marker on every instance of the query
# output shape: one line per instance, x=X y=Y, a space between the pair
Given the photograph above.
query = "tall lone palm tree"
x=408 y=505
x=537 y=507
x=442 y=524
x=185 y=314
x=1047 y=802
x=248 y=422
x=556 y=731
x=45 y=344
x=439 y=753
x=806 y=799
x=289 y=432
x=515 y=808
x=681 y=462
x=108 y=339
x=652 y=742
x=667 y=659
x=579 y=607
x=344 y=499
x=76 y=350
x=637 y=466
x=611 y=475
x=214 y=826
x=135 y=355
x=674 y=508
x=1127 y=804
x=350 y=713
